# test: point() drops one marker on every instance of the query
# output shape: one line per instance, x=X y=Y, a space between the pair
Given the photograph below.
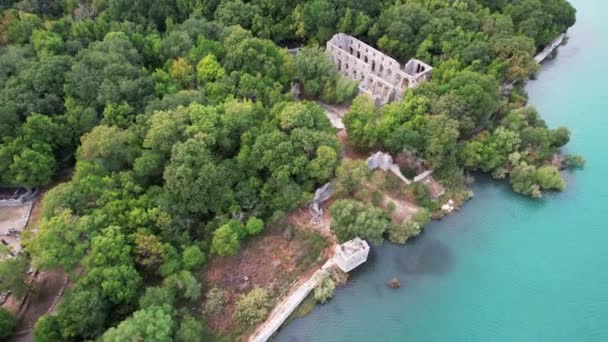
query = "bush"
x=352 y=219
x=350 y=175
x=548 y=177
x=574 y=161
x=377 y=198
x=324 y=291
x=192 y=257
x=157 y=296
x=253 y=307
x=225 y=241
x=190 y=330
x=47 y=329
x=215 y=299
x=7 y=323
x=391 y=207
x=254 y=225
x=400 y=233
x=422 y=194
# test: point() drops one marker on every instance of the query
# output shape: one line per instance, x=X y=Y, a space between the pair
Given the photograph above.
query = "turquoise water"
x=504 y=268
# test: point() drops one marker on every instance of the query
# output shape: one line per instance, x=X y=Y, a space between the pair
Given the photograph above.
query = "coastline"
x=547 y=53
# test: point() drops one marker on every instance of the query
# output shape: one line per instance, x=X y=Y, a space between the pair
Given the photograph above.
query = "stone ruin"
x=384 y=162
x=322 y=194
x=351 y=254
x=379 y=75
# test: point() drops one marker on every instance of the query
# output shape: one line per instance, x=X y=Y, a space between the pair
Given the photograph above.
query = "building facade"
x=379 y=75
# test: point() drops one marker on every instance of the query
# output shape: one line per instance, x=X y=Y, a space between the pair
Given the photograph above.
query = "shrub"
x=400 y=233
x=339 y=277
x=254 y=225
x=215 y=299
x=253 y=307
x=47 y=329
x=7 y=323
x=190 y=330
x=225 y=241
x=548 y=177
x=350 y=175
x=391 y=207
x=192 y=257
x=352 y=218
x=376 y=198
x=422 y=194
x=157 y=296
x=324 y=291
x=574 y=161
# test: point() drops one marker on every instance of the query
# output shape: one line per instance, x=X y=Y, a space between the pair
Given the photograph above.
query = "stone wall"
x=379 y=75
x=384 y=162
x=550 y=49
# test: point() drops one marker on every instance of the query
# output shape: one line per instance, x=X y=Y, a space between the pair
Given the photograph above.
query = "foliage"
x=352 y=219
x=254 y=225
x=82 y=314
x=320 y=78
x=253 y=306
x=7 y=323
x=13 y=275
x=215 y=299
x=192 y=257
x=152 y=324
x=574 y=161
x=350 y=175
x=60 y=242
x=190 y=329
x=325 y=290
x=548 y=177
x=225 y=241
x=400 y=233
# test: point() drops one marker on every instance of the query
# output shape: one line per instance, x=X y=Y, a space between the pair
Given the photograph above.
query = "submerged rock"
x=394 y=283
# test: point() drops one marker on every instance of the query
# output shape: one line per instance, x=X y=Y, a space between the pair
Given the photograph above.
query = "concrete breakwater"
x=549 y=49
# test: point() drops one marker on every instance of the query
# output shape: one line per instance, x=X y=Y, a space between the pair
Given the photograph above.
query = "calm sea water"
x=505 y=268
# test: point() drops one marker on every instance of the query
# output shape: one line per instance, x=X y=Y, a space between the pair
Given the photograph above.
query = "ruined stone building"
x=379 y=75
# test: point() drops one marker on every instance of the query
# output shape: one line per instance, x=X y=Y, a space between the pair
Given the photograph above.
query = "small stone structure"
x=348 y=256
x=322 y=194
x=379 y=75
x=384 y=162
x=351 y=254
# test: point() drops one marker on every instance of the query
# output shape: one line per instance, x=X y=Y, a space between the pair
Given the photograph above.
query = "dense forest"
x=178 y=122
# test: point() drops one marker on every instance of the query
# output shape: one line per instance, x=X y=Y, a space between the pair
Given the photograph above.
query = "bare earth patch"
x=269 y=261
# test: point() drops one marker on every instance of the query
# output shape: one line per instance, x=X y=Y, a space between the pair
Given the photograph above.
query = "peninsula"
x=192 y=171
